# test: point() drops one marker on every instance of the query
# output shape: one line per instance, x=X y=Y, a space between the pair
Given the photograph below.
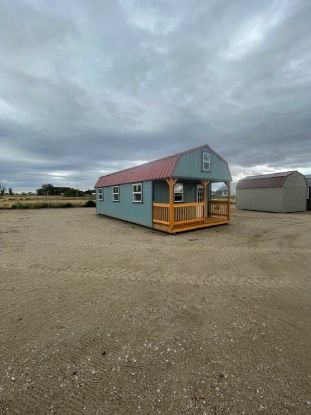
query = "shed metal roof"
x=154 y=170
x=308 y=179
x=264 y=180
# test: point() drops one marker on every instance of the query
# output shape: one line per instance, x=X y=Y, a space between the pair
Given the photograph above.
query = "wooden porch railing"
x=218 y=208
x=161 y=214
x=187 y=213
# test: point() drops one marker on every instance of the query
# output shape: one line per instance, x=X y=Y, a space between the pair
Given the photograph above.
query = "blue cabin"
x=172 y=194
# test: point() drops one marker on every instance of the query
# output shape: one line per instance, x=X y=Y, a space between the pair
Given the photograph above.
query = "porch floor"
x=208 y=222
x=179 y=217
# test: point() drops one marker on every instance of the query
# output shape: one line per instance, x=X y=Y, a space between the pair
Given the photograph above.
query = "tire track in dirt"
x=158 y=276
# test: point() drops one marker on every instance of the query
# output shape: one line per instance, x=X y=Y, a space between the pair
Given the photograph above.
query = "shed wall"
x=294 y=199
x=125 y=209
x=264 y=199
x=295 y=179
x=190 y=166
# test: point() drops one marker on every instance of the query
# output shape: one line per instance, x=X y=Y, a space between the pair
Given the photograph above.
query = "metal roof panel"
x=154 y=170
x=272 y=180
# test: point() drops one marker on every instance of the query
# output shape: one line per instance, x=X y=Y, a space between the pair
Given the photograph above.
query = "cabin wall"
x=190 y=166
x=125 y=209
x=161 y=191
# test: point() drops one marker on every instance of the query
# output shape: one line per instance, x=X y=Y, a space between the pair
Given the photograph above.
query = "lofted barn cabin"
x=172 y=194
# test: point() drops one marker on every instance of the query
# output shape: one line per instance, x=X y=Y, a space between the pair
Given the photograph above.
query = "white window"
x=179 y=192
x=200 y=192
x=137 y=193
x=100 y=194
x=206 y=161
x=115 y=194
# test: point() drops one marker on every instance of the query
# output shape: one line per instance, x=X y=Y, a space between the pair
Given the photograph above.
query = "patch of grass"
x=44 y=202
x=42 y=205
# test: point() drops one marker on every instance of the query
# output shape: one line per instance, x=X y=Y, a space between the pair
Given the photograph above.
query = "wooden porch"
x=178 y=217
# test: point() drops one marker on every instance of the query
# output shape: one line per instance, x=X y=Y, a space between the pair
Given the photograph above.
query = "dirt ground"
x=98 y=316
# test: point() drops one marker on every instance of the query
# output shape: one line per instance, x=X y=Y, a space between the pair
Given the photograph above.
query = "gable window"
x=100 y=194
x=115 y=194
x=206 y=161
x=178 y=192
x=137 y=193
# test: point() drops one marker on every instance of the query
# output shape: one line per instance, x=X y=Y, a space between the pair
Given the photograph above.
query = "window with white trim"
x=178 y=193
x=100 y=194
x=206 y=161
x=115 y=194
x=137 y=193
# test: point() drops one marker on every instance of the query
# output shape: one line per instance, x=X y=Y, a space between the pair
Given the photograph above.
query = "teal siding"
x=161 y=192
x=190 y=166
x=125 y=209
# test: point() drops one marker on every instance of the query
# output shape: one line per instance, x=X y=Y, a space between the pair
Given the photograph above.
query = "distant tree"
x=73 y=193
x=50 y=190
x=46 y=190
x=10 y=191
x=2 y=191
x=89 y=192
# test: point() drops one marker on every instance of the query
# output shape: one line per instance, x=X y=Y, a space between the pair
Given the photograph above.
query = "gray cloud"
x=97 y=86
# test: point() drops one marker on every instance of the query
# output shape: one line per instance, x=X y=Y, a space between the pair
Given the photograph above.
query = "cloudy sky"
x=90 y=87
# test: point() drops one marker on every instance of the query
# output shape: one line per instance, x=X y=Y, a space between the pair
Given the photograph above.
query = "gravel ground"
x=104 y=317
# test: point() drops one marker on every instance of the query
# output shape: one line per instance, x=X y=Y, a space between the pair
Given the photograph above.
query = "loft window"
x=178 y=192
x=206 y=161
x=137 y=193
x=115 y=194
x=100 y=194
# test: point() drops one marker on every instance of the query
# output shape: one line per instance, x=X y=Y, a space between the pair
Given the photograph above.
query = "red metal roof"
x=154 y=170
x=264 y=180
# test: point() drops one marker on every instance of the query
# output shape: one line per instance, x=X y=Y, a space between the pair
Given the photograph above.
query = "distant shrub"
x=19 y=205
x=42 y=204
x=89 y=203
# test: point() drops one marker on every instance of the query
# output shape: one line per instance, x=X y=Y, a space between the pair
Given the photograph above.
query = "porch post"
x=171 y=182
x=205 y=185
x=229 y=200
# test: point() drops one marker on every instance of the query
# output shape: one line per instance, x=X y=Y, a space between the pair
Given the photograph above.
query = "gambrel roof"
x=264 y=180
x=154 y=170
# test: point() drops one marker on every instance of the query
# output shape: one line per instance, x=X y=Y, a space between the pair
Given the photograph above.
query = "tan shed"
x=277 y=192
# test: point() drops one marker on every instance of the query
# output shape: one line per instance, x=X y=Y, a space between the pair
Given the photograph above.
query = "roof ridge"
x=275 y=174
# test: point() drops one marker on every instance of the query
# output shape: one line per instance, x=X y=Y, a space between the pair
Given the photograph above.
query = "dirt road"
x=104 y=317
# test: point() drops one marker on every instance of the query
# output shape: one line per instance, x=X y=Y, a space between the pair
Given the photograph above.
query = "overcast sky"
x=90 y=87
